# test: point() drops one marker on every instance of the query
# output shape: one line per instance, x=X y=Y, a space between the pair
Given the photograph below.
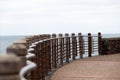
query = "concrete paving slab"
x=96 y=68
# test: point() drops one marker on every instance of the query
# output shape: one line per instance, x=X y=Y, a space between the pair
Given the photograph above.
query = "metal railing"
x=30 y=66
x=56 y=51
x=38 y=56
x=42 y=54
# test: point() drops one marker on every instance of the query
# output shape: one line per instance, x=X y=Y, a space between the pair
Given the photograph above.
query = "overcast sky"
x=24 y=17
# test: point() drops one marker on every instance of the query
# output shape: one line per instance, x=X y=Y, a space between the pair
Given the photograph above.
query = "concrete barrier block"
x=10 y=64
x=17 y=49
x=10 y=77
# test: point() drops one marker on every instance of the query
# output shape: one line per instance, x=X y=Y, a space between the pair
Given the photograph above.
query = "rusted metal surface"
x=110 y=46
x=89 y=45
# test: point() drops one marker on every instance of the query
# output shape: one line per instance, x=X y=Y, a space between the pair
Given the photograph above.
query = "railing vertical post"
x=54 y=51
x=37 y=61
x=40 y=56
x=57 y=51
x=74 y=46
x=46 y=58
x=35 y=72
x=81 y=45
x=61 y=48
x=67 y=47
x=33 y=60
x=49 y=55
x=89 y=45
x=43 y=61
x=99 y=43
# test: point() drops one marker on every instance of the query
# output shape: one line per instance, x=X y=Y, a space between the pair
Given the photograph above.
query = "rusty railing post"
x=46 y=58
x=74 y=46
x=61 y=48
x=49 y=54
x=89 y=45
x=57 y=51
x=42 y=61
x=67 y=47
x=39 y=59
x=54 y=51
x=32 y=74
x=35 y=72
x=99 y=44
x=81 y=45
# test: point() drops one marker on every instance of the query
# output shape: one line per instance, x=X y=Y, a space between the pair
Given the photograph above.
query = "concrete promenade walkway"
x=95 y=68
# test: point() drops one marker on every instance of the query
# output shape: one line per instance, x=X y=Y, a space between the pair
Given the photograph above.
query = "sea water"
x=5 y=41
